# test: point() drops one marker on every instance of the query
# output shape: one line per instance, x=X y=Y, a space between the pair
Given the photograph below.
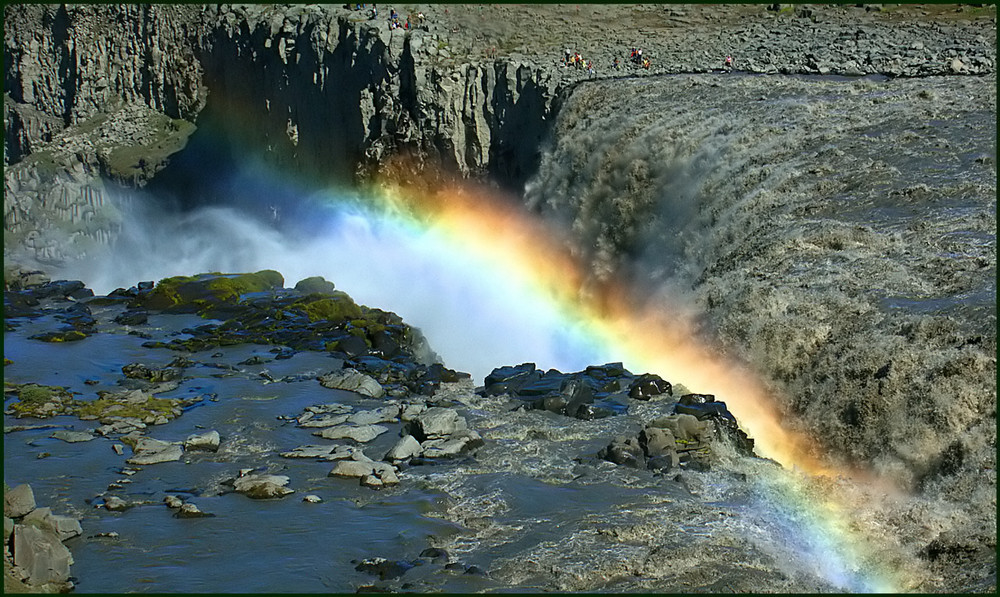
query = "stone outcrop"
x=36 y=554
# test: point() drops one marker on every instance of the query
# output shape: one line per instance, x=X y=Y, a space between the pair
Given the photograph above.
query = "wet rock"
x=435 y=553
x=153 y=451
x=133 y=317
x=406 y=448
x=380 y=478
x=412 y=411
x=262 y=486
x=151 y=374
x=310 y=420
x=64 y=335
x=255 y=360
x=352 y=381
x=208 y=441
x=510 y=379
x=386 y=414
x=73 y=436
x=384 y=568
x=172 y=501
x=361 y=468
x=189 y=510
x=312 y=499
x=333 y=408
x=462 y=442
x=41 y=554
x=65 y=527
x=358 y=433
x=647 y=386
x=114 y=503
x=18 y=501
x=118 y=449
x=436 y=422
x=624 y=451
x=325 y=452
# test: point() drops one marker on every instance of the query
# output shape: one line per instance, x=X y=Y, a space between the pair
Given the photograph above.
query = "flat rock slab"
x=386 y=414
x=352 y=381
x=327 y=452
x=73 y=436
x=324 y=421
x=262 y=486
x=154 y=451
x=358 y=433
x=361 y=468
x=331 y=408
x=208 y=441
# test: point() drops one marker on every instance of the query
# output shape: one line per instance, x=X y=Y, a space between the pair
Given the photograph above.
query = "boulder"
x=41 y=554
x=380 y=478
x=460 y=443
x=262 y=486
x=684 y=427
x=324 y=421
x=648 y=385
x=172 y=501
x=65 y=527
x=358 y=433
x=325 y=452
x=508 y=380
x=436 y=422
x=133 y=317
x=386 y=414
x=411 y=411
x=18 y=501
x=153 y=451
x=114 y=503
x=352 y=381
x=384 y=568
x=73 y=436
x=625 y=451
x=191 y=511
x=360 y=468
x=315 y=285
x=407 y=447
x=208 y=441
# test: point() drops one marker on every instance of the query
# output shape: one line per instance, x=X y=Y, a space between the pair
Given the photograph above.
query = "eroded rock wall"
x=314 y=91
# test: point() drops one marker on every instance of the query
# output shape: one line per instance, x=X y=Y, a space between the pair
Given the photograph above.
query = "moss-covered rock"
x=336 y=307
x=134 y=404
x=315 y=285
x=64 y=335
x=34 y=400
x=198 y=293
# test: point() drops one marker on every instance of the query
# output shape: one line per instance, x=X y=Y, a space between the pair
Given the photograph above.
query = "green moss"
x=336 y=307
x=31 y=397
x=126 y=162
x=205 y=290
x=151 y=407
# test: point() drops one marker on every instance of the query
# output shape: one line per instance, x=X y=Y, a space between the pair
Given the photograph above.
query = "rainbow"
x=481 y=225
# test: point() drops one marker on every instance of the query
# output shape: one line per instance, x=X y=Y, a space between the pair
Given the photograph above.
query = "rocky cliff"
x=105 y=94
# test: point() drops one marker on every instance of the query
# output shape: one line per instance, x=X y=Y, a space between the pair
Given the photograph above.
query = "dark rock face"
x=598 y=391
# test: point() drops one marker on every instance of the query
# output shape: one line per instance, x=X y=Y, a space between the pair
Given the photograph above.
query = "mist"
x=474 y=317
